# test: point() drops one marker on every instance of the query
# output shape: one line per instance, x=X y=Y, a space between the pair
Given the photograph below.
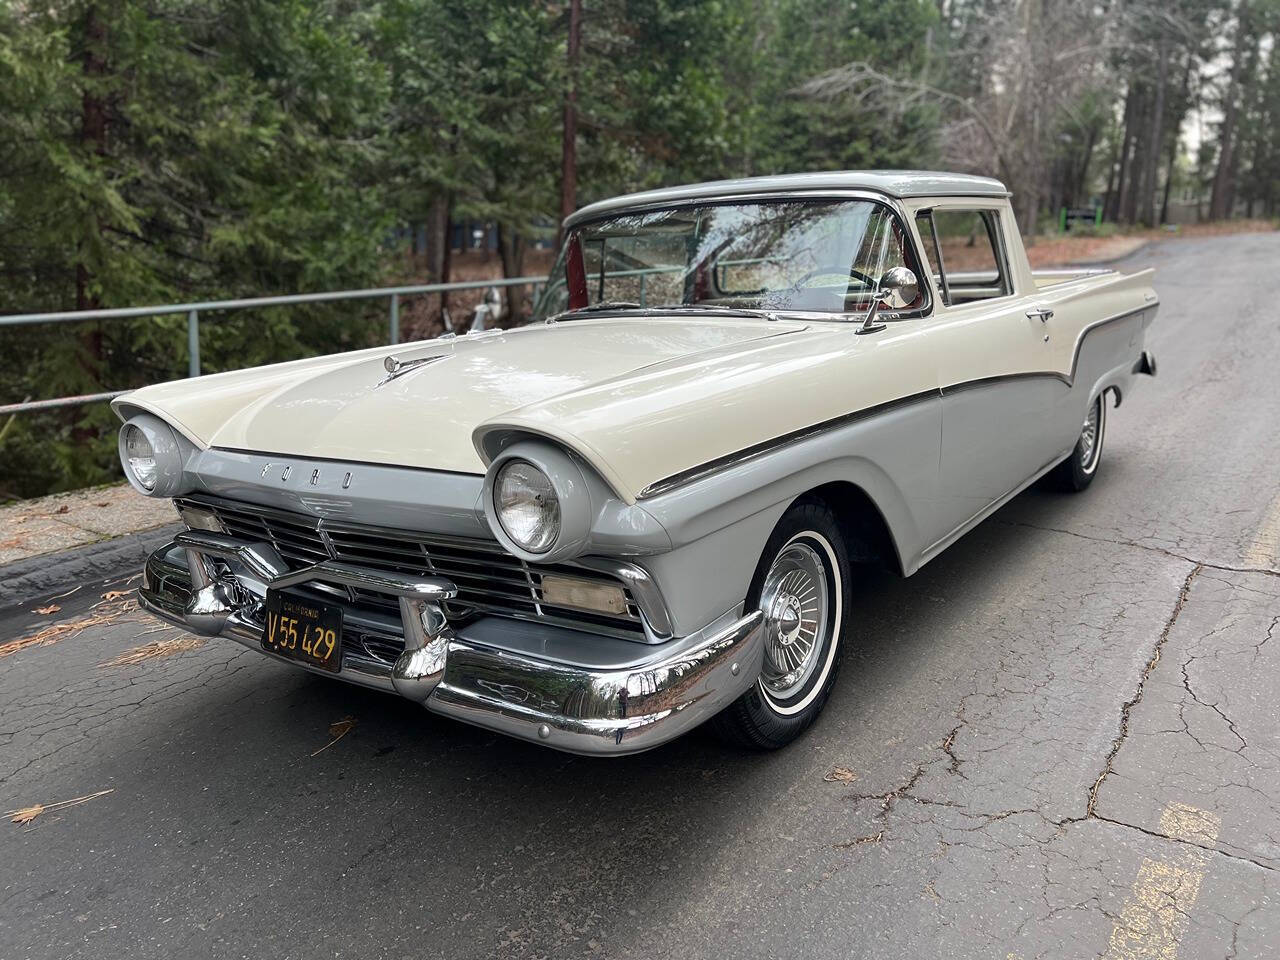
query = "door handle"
x=1043 y=314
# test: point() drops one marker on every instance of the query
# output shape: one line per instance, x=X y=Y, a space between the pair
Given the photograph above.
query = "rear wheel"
x=802 y=587
x=1078 y=470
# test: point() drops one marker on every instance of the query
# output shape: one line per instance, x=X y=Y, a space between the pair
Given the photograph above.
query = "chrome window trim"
x=994 y=227
x=893 y=204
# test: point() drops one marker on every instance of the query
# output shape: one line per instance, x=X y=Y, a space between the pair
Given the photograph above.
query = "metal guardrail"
x=193 y=311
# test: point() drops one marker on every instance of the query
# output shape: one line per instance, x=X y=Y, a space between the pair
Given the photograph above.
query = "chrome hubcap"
x=1089 y=438
x=794 y=602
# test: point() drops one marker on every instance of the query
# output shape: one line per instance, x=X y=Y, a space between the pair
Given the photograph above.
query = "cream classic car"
x=642 y=511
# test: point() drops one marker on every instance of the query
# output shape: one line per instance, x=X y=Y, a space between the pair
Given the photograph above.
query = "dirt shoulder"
x=1058 y=251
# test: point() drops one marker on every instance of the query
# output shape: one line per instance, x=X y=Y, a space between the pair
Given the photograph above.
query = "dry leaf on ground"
x=27 y=814
x=338 y=729
x=116 y=594
x=51 y=608
x=840 y=775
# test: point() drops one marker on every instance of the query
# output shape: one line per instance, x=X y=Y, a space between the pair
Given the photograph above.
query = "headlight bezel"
x=168 y=455
x=566 y=478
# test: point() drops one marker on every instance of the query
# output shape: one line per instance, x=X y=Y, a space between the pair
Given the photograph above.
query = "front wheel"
x=1078 y=470
x=802 y=587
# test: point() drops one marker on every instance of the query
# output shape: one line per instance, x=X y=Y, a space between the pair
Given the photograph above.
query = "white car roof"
x=893 y=183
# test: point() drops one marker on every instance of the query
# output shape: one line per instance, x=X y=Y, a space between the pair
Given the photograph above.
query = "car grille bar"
x=489 y=580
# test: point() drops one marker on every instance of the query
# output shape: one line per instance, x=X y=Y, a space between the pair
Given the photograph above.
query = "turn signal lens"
x=559 y=591
x=527 y=506
x=198 y=518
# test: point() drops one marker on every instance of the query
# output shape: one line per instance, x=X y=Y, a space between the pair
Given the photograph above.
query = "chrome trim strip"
x=768 y=446
x=358 y=463
x=694 y=474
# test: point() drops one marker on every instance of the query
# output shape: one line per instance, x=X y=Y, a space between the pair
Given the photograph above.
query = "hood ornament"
x=398 y=368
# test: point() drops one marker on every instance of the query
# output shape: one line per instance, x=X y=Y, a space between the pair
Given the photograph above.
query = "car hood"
x=345 y=407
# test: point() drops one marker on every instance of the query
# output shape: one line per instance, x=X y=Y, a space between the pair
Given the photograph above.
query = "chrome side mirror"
x=898 y=287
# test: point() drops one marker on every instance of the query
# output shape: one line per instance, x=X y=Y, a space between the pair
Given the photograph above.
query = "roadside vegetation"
x=157 y=151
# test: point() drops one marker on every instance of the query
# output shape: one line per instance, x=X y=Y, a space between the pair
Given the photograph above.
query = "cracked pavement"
x=1062 y=736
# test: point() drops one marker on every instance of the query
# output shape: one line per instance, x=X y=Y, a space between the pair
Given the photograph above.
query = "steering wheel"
x=852 y=273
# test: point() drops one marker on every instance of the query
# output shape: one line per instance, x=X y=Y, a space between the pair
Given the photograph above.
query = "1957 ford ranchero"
x=640 y=513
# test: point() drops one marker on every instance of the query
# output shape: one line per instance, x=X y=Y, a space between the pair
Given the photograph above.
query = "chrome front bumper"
x=538 y=683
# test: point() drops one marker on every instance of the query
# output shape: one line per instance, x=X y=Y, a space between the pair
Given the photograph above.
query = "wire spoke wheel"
x=1090 y=448
x=795 y=601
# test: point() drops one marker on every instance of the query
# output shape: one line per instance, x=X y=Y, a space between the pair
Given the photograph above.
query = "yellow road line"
x=1155 y=918
x=1264 y=550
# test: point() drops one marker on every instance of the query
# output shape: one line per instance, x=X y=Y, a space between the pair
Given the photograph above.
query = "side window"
x=967 y=254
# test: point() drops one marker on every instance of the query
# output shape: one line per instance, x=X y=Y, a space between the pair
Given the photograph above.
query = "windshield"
x=815 y=256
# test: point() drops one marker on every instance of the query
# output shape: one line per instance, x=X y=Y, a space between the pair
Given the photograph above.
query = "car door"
x=994 y=362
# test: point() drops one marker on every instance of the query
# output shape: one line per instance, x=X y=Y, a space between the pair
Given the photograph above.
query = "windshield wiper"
x=716 y=308
x=600 y=307
x=607 y=305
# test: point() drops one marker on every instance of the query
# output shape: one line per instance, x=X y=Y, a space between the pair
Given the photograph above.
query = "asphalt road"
x=1057 y=740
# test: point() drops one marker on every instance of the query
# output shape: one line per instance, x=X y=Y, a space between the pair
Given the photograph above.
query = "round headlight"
x=139 y=456
x=152 y=456
x=527 y=506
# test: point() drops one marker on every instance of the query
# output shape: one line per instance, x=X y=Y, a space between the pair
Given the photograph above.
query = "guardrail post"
x=395 y=318
x=193 y=343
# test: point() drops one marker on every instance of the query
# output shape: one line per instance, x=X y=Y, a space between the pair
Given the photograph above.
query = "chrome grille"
x=489 y=579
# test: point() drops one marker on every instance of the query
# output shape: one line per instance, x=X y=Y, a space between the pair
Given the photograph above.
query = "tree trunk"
x=1222 y=194
x=1133 y=187
x=446 y=250
x=569 y=137
x=1111 y=182
x=93 y=136
x=511 y=248
x=1121 y=181
x=437 y=241
x=1168 y=178
x=1147 y=201
x=1082 y=177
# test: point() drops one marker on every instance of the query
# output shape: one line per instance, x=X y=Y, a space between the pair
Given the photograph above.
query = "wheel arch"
x=867 y=535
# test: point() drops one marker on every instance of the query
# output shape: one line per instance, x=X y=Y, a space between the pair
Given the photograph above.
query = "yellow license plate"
x=303 y=630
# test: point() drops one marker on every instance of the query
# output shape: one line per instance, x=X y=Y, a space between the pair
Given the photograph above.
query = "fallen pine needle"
x=104 y=613
x=51 y=608
x=27 y=814
x=338 y=729
x=156 y=650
